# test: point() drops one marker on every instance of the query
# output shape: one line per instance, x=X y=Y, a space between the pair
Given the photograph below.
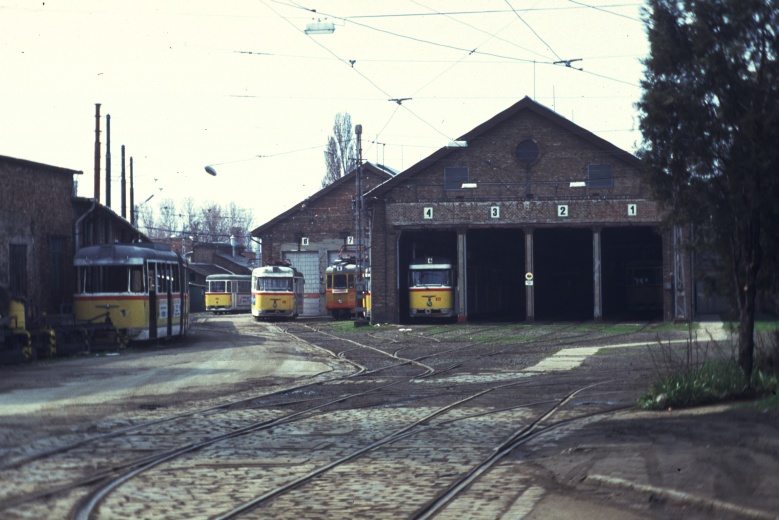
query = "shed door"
x=307 y=262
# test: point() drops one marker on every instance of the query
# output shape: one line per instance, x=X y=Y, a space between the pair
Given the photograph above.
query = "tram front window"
x=104 y=279
x=216 y=286
x=343 y=281
x=427 y=278
x=275 y=284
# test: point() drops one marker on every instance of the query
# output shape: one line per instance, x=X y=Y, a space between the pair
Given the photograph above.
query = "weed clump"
x=700 y=373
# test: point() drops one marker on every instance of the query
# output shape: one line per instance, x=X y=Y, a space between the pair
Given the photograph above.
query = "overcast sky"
x=239 y=85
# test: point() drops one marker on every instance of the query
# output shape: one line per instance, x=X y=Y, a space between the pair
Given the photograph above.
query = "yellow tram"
x=431 y=288
x=340 y=294
x=141 y=290
x=277 y=291
x=228 y=293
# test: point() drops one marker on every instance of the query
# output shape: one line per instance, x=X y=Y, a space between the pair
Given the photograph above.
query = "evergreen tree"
x=710 y=122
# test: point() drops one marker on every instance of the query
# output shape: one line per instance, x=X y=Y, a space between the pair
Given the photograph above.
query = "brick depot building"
x=42 y=225
x=311 y=234
x=543 y=220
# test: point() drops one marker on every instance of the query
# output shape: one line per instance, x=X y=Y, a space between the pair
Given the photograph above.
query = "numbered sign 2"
x=562 y=210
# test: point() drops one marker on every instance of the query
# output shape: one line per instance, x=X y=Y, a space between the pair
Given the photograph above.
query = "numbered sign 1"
x=427 y=213
x=349 y=241
x=632 y=210
x=562 y=210
x=494 y=211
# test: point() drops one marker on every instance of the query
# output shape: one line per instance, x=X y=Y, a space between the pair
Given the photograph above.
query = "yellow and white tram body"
x=140 y=289
x=430 y=288
x=340 y=295
x=277 y=292
x=228 y=293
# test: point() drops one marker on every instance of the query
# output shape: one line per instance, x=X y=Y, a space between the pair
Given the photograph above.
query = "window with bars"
x=455 y=177
x=599 y=176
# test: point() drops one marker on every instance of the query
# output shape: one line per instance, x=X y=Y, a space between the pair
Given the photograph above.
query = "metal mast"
x=359 y=235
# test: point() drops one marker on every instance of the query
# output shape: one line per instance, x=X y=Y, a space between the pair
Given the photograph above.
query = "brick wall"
x=326 y=219
x=36 y=210
x=526 y=196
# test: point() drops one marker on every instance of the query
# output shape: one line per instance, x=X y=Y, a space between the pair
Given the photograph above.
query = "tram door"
x=152 y=277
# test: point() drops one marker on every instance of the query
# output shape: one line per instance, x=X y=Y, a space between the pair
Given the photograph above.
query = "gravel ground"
x=710 y=462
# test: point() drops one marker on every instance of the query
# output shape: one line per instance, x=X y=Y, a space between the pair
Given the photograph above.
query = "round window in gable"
x=527 y=152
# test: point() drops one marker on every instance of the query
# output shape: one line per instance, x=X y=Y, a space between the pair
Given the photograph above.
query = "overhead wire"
x=602 y=9
x=469 y=52
x=533 y=30
x=379 y=88
x=493 y=35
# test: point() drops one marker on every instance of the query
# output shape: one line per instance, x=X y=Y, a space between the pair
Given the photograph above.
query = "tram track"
x=371 y=447
x=110 y=481
x=146 y=463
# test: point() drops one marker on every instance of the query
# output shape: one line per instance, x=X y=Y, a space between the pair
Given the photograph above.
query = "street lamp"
x=320 y=27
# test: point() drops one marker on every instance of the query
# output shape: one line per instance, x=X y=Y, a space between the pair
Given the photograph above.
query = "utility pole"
x=108 y=161
x=97 y=152
x=124 y=187
x=133 y=216
x=359 y=235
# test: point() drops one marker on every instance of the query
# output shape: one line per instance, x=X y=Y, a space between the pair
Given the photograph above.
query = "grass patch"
x=348 y=327
x=763 y=324
x=611 y=328
x=674 y=327
x=697 y=375
x=771 y=402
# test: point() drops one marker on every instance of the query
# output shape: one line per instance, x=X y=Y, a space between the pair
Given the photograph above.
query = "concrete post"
x=597 y=289
x=530 y=313
x=462 y=279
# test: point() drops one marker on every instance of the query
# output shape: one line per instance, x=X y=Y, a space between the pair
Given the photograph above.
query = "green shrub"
x=695 y=375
